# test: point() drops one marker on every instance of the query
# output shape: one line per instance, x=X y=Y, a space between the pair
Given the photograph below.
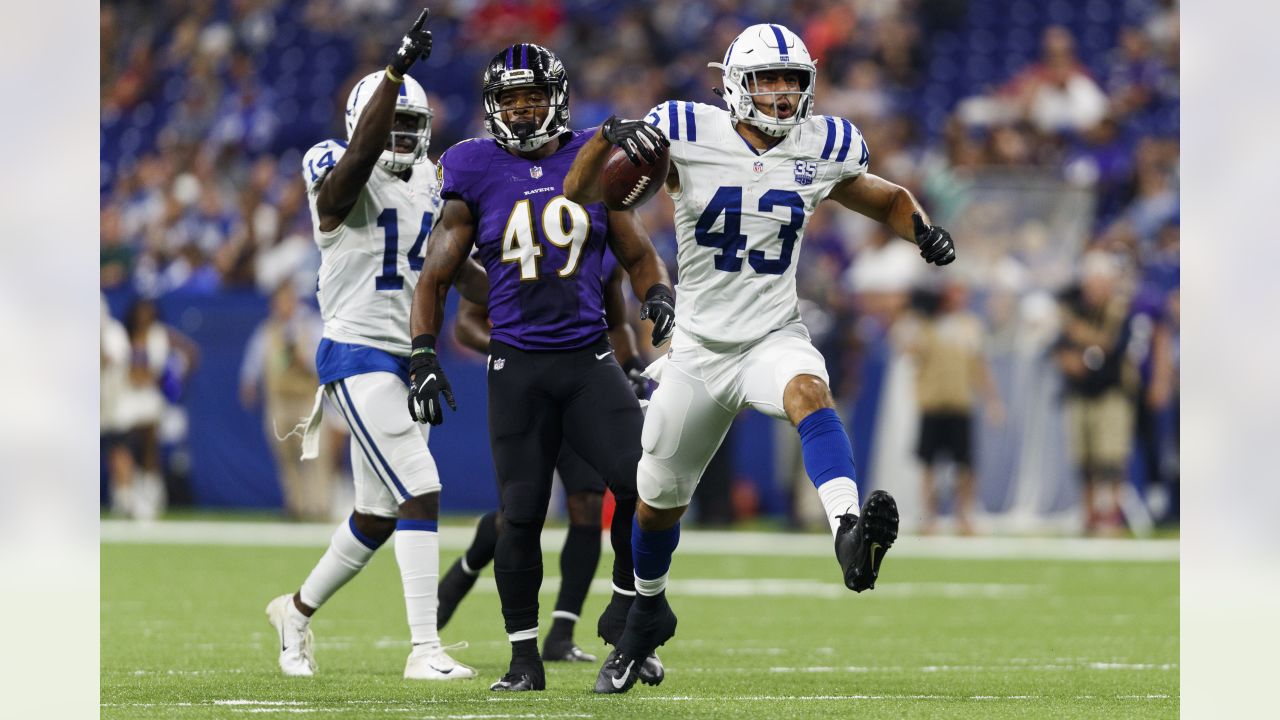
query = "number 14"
x=391 y=279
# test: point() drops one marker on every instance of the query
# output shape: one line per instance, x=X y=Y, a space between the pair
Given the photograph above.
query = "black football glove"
x=637 y=138
x=635 y=375
x=427 y=384
x=414 y=46
x=935 y=243
x=660 y=307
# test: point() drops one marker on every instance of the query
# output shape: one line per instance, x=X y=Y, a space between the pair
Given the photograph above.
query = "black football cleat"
x=863 y=540
x=613 y=621
x=651 y=670
x=453 y=587
x=564 y=651
x=618 y=674
x=523 y=677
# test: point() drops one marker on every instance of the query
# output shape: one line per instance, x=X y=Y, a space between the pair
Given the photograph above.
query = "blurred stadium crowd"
x=1044 y=134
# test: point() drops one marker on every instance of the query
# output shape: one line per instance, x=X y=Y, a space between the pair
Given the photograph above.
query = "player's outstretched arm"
x=341 y=188
x=583 y=182
x=447 y=252
x=637 y=138
x=471 y=325
x=649 y=279
x=896 y=207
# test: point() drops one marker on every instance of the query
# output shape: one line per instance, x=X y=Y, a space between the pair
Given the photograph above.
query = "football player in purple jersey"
x=552 y=373
x=583 y=486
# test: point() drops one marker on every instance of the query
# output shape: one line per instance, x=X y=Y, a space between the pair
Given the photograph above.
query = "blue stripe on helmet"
x=674 y=117
x=729 y=53
x=831 y=139
x=782 y=44
x=690 y=130
x=524 y=55
x=844 y=144
x=510 y=55
x=404 y=90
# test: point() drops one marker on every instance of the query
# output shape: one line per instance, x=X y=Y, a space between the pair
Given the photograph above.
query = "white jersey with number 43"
x=369 y=264
x=740 y=215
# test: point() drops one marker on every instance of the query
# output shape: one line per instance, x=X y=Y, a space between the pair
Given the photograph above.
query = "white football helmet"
x=413 y=100
x=759 y=48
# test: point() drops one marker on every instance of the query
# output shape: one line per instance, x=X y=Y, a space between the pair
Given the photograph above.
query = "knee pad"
x=524 y=504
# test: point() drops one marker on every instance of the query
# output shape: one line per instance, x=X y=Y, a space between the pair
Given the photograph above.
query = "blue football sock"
x=651 y=552
x=828 y=458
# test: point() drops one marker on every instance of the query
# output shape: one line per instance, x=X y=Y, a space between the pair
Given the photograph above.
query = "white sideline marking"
x=692 y=542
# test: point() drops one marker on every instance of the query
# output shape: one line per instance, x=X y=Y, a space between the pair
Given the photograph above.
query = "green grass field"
x=184 y=636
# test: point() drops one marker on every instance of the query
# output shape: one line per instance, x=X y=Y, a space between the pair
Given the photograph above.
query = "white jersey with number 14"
x=369 y=265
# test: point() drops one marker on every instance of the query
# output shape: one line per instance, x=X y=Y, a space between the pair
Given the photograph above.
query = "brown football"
x=628 y=186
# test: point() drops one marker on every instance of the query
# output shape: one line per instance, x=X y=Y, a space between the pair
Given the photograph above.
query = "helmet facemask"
x=742 y=90
x=525 y=135
x=407 y=147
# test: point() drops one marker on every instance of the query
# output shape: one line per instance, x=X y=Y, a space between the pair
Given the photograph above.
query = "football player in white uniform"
x=745 y=182
x=373 y=204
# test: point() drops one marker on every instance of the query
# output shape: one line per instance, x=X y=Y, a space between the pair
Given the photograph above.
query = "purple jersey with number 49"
x=542 y=252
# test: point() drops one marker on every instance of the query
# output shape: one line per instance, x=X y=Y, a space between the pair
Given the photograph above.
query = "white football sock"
x=649 y=588
x=839 y=497
x=346 y=557
x=418 y=554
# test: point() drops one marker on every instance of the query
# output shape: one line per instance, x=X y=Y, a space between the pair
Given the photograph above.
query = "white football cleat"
x=433 y=663
x=297 y=657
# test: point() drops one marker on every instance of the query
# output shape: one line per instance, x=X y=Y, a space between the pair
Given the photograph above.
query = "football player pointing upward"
x=369 y=200
x=745 y=182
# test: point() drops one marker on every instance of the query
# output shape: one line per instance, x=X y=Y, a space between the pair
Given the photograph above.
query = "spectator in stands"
x=114 y=372
x=1099 y=379
x=1057 y=94
x=279 y=372
x=951 y=377
x=159 y=358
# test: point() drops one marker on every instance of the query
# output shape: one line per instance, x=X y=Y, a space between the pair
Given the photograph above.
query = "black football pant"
x=536 y=401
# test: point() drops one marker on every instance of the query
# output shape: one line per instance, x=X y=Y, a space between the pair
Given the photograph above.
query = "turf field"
x=765 y=631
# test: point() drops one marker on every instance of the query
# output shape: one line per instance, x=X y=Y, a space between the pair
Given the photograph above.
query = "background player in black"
x=550 y=377
x=584 y=492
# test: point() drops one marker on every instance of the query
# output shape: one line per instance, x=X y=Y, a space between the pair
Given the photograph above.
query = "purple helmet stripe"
x=510 y=55
x=524 y=55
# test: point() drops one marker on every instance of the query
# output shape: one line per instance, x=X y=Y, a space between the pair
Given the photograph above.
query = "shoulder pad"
x=319 y=160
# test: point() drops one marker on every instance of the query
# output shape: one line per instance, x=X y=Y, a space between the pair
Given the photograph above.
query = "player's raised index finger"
x=422 y=19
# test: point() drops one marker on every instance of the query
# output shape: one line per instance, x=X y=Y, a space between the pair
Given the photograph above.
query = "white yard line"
x=692 y=542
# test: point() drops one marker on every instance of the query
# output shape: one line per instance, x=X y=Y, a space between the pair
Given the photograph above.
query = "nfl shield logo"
x=806 y=171
x=535 y=172
x=758 y=167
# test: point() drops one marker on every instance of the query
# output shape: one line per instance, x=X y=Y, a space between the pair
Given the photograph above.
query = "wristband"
x=424 y=344
x=391 y=75
x=659 y=289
